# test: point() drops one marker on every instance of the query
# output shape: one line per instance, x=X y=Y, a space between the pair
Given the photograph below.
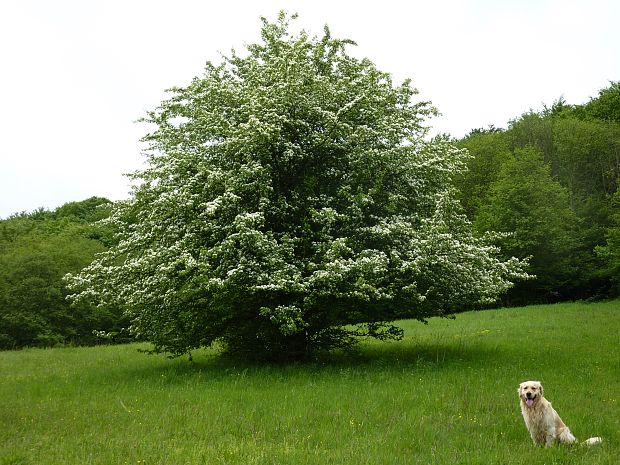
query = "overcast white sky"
x=75 y=75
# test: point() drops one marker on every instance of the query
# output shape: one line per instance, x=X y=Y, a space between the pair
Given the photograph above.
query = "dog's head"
x=530 y=392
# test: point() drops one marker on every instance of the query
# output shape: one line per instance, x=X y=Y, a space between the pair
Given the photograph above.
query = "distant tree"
x=587 y=157
x=36 y=251
x=528 y=203
x=610 y=252
x=604 y=107
x=607 y=105
x=584 y=156
x=581 y=146
x=89 y=210
x=33 y=310
x=534 y=130
x=291 y=204
x=488 y=150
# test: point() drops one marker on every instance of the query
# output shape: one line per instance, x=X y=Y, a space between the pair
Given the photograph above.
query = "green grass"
x=446 y=394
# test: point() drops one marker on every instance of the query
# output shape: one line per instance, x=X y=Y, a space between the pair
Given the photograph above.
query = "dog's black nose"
x=528 y=395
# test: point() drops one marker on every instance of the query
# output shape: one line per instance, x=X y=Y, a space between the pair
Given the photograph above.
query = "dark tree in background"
x=561 y=204
x=36 y=251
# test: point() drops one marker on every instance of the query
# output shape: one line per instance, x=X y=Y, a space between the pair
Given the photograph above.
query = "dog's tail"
x=592 y=441
x=566 y=437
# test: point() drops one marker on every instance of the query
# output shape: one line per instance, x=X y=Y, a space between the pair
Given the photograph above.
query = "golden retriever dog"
x=542 y=421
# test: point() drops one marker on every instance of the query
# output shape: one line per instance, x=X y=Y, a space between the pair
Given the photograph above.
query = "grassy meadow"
x=446 y=394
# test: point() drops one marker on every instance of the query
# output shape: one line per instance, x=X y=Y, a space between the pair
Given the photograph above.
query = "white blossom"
x=288 y=193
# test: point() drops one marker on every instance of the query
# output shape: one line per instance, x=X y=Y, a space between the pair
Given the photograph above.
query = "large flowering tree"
x=292 y=204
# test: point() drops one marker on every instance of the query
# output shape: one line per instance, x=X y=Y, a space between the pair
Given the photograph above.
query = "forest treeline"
x=36 y=250
x=549 y=180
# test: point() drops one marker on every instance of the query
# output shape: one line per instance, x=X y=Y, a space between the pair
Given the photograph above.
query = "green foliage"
x=489 y=150
x=583 y=156
x=533 y=208
x=86 y=211
x=610 y=252
x=36 y=251
x=291 y=205
x=607 y=105
x=586 y=154
x=580 y=145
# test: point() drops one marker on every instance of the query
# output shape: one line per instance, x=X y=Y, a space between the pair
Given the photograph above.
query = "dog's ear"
x=520 y=389
x=540 y=388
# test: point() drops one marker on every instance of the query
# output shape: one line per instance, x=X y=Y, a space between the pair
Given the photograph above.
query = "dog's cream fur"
x=542 y=421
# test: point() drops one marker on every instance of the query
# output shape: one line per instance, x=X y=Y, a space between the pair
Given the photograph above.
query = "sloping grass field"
x=446 y=394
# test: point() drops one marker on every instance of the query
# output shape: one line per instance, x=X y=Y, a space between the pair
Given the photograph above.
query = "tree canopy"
x=36 y=251
x=528 y=203
x=561 y=204
x=292 y=204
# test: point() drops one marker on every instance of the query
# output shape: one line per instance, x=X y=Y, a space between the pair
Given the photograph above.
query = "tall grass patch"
x=446 y=394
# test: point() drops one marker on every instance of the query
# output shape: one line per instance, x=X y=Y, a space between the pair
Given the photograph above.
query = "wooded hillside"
x=550 y=180
x=36 y=250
